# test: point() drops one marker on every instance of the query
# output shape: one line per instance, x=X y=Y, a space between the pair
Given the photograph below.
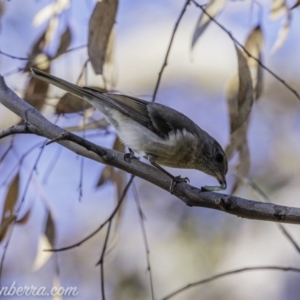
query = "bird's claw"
x=178 y=179
x=129 y=156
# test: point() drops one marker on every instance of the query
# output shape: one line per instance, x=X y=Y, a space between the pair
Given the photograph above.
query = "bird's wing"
x=160 y=119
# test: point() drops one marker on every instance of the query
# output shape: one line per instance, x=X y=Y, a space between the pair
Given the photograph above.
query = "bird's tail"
x=63 y=84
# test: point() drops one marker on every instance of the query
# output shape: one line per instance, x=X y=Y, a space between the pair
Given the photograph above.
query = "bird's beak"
x=222 y=180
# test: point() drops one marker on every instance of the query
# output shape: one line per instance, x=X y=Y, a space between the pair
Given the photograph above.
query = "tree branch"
x=192 y=196
x=233 y=272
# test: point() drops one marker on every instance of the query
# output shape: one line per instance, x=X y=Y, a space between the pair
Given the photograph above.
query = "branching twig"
x=218 y=276
x=102 y=225
x=202 y=7
x=165 y=63
x=10 y=232
x=142 y=218
x=8 y=149
x=51 y=165
x=13 y=57
x=17 y=129
x=265 y=198
x=29 y=179
x=17 y=70
x=101 y=261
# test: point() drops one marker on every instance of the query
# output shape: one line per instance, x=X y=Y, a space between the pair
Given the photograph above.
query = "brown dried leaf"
x=118 y=145
x=50 y=33
x=50 y=229
x=213 y=8
x=240 y=105
x=244 y=165
x=2 y=8
x=278 y=8
x=296 y=4
x=283 y=33
x=109 y=71
x=119 y=180
x=8 y=215
x=97 y=124
x=254 y=45
x=42 y=256
x=36 y=91
x=5 y=224
x=69 y=103
x=105 y=176
x=25 y=218
x=37 y=48
x=49 y=11
x=240 y=100
x=258 y=88
x=39 y=45
x=237 y=138
x=232 y=102
x=109 y=173
x=65 y=41
x=100 y=26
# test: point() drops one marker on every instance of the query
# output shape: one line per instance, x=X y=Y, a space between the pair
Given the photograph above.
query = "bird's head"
x=214 y=161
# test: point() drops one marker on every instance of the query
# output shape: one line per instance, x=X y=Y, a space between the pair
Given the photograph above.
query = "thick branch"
x=38 y=124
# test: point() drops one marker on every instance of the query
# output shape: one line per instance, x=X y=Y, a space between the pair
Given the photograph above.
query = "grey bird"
x=157 y=132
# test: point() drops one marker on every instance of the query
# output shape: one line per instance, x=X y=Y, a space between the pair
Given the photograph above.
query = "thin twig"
x=101 y=226
x=247 y=52
x=34 y=169
x=13 y=57
x=5 y=250
x=80 y=193
x=142 y=218
x=19 y=163
x=11 y=144
x=51 y=165
x=101 y=261
x=82 y=71
x=165 y=63
x=17 y=70
x=218 y=276
x=265 y=198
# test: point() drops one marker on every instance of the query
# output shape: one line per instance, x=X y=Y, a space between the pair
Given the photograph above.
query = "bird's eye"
x=219 y=158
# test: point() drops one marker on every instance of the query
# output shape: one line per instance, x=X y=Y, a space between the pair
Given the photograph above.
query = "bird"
x=159 y=133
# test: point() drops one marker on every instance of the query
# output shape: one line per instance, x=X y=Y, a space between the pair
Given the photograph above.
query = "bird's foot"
x=177 y=179
x=129 y=156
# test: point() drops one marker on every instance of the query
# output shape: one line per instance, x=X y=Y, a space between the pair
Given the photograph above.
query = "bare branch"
x=165 y=63
x=17 y=129
x=192 y=196
x=202 y=7
x=142 y=219
x=218 y=276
